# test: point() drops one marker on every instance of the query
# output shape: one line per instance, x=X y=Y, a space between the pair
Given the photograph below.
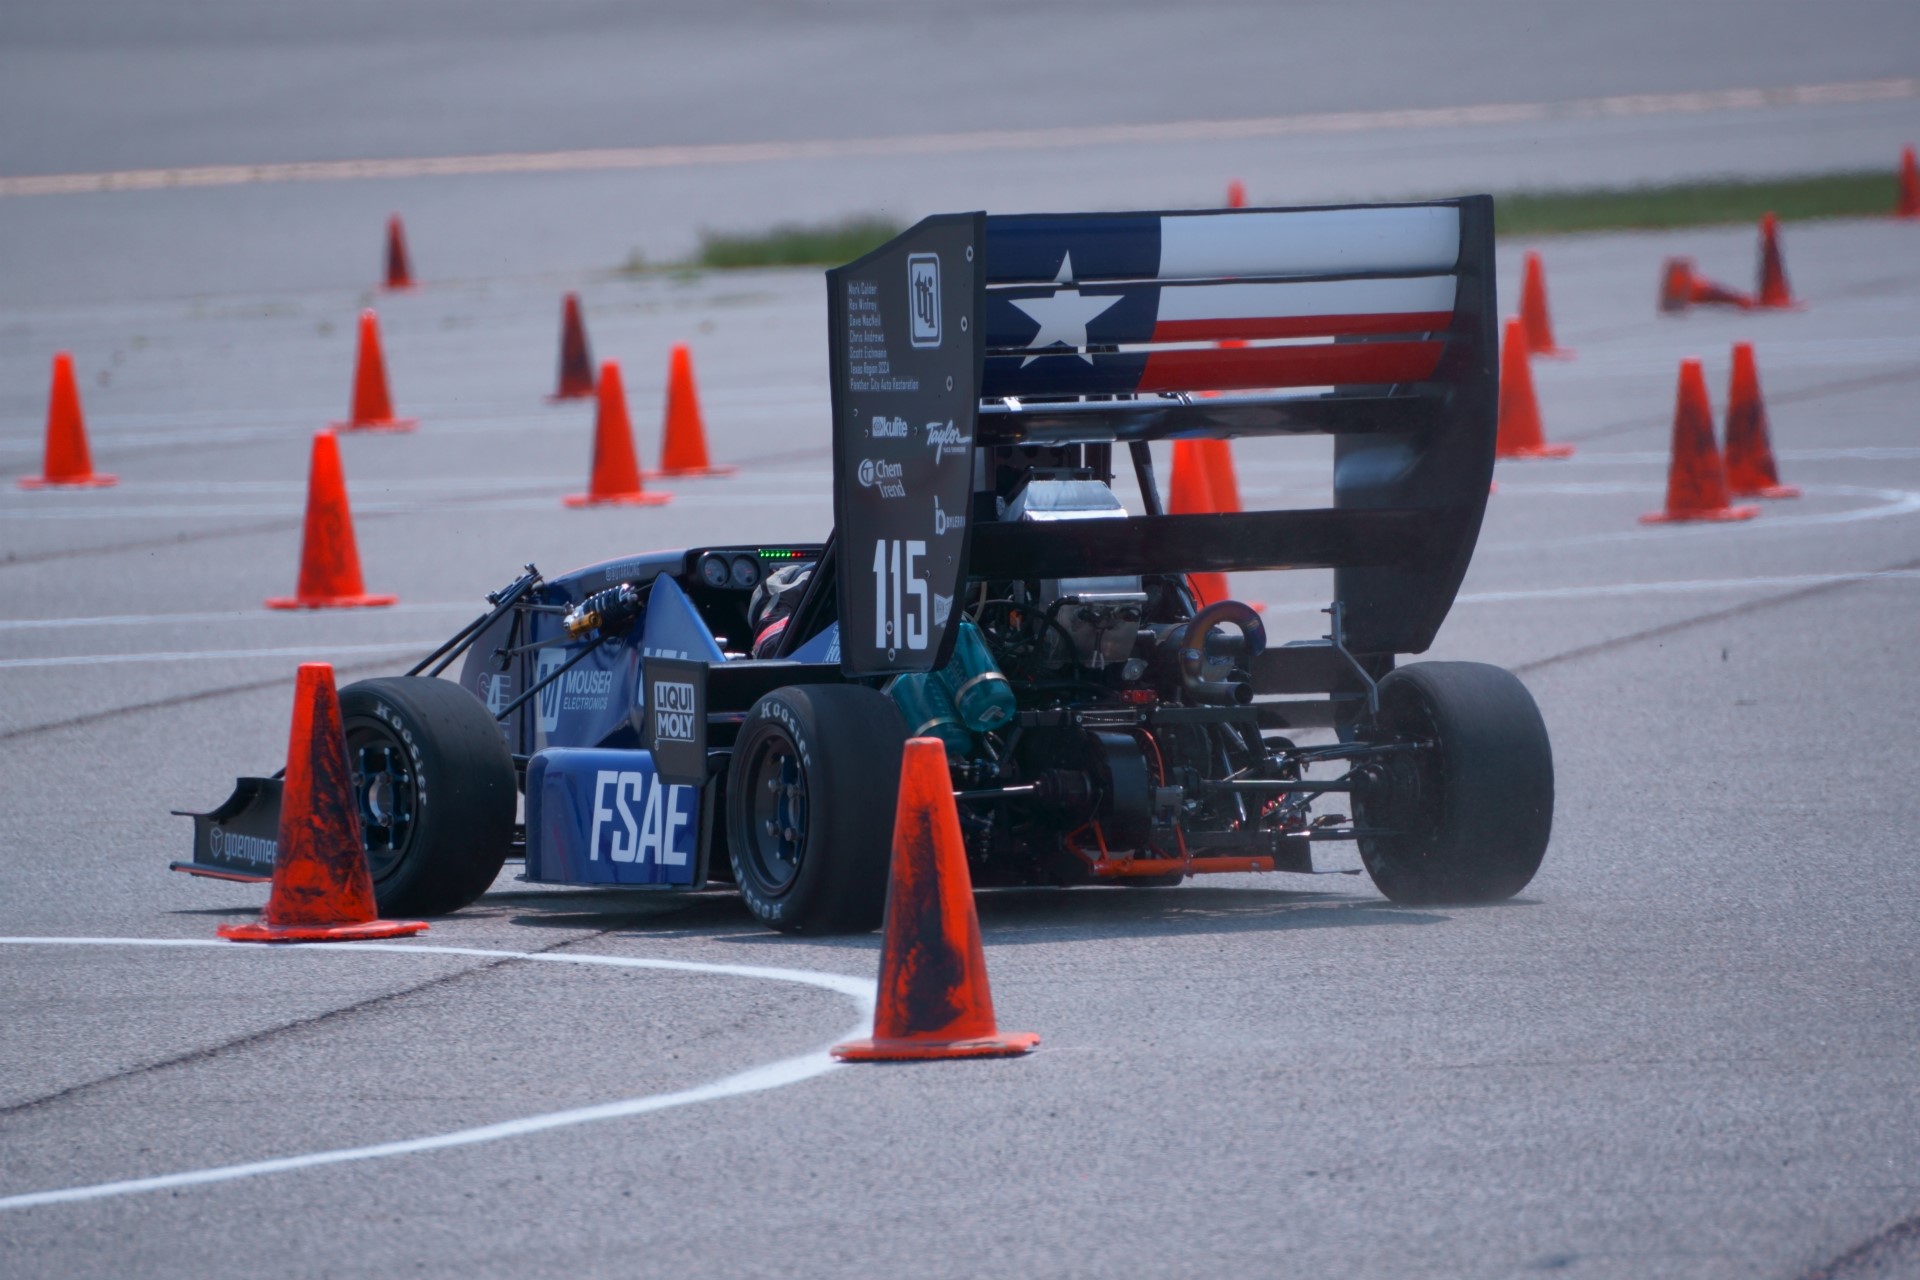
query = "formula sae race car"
x=735 y=714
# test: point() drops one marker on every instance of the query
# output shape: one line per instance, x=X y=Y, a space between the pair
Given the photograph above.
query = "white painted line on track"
x=929 y=144
x=1893 y=502
x=773 y=1075
x=475 y=607
x=106 y=509
x=1612 y=589
x=310 y=652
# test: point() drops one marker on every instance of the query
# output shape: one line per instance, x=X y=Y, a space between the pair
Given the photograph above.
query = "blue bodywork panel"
x=597 y=816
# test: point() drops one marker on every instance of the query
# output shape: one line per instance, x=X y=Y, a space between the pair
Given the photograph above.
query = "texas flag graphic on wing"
x=1122 y=303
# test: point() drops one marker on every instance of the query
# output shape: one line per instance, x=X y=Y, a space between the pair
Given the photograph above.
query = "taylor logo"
x=923 y=288
x=944 y=438
x=887 y=477
x=672 y=711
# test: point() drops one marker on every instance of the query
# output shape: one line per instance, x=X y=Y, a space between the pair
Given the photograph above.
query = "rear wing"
x=1372 y=323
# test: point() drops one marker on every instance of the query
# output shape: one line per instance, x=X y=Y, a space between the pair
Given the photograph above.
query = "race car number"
x=900 y=618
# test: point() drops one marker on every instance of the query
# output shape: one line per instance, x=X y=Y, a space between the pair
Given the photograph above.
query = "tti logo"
x=923 y=287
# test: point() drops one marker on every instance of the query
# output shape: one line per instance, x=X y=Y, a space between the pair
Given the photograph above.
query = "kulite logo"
x=923 y=291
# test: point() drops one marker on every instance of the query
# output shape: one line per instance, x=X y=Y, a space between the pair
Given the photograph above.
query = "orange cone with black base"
x=1236 y=194
x=329 y=555
x=1533 y=311
x=67 y=463
x=934 y=1001
x=372 y=406
x=1750 y=469
x=399 y=270
x=1190 y=493
x=1682 y=287
x=1696 y=481
x=683 y=448
x=322 y=890
x=576 y=365
x=616 y=472
x=1908 y=205
x=1517 y=434
x=1774 y=291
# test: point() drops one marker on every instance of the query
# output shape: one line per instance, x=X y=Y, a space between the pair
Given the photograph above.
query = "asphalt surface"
x=1686 y=1050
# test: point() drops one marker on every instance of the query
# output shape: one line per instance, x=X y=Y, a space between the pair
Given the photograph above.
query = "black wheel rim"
x=1407 y=790
x=776 y=812
x=387 y=795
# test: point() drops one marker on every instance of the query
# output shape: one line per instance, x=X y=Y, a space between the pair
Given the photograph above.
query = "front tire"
x=436 y=792
x=810 y=800
x=1471 y=815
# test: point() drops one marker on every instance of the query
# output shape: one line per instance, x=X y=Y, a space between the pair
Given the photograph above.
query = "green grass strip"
x=1695 y=204
x=792 y=244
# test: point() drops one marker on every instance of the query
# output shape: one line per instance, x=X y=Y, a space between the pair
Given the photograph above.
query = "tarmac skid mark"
x=772 y=1075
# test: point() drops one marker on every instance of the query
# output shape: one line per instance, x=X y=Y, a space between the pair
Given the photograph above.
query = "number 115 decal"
x=899 y=594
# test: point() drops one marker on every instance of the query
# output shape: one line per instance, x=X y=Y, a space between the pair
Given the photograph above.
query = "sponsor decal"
x=638 y=818
x=581 y=689
x=231 y=846
x=498 y=690
x=885 y=428
x=945 y=438
x=923 y=288
x=943 y=523
x=942 y=609
x=673 y=709
x=886 y=477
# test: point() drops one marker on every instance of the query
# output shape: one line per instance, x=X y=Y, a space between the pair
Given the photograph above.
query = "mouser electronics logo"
x=945 y=438
x=885 y=428
x=672 y=711
x=923 y=287
x=580 y=689
x=887 y=477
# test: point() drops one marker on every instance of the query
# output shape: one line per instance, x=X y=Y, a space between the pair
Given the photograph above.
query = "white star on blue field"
x=1062 y=315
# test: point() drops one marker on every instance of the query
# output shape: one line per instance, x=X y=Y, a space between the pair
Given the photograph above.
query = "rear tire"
x=1474 y=813
x=810 y=801
x=436 y=792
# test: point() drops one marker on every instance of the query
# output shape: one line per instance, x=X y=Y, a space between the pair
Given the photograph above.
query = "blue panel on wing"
x=604 y=817
x=824 y=647
x=1062 y=375
x=674 y=628
x=1124 y=246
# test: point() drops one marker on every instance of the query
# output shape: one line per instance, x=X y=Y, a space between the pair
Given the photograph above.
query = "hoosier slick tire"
x=810 y=801
x=436 y=790
x=1473 y=814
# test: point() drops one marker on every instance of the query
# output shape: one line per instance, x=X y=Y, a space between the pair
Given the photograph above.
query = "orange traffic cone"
x=1774 y=291
x=683 y=449
x=616 y=474
x=1682 y=287
x=329 y=556
x=1190 y=493
x=399 y=271
x=1517 y=434
x=576 y=365
x=1533 y=311
x=1696 y=481
x=1909 y=202
x=67 y=462
x=372 y=407
x=322 y=890
x=934 y=1001
x=1236 y=194
x=1750 y=469
x=1222 y=485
